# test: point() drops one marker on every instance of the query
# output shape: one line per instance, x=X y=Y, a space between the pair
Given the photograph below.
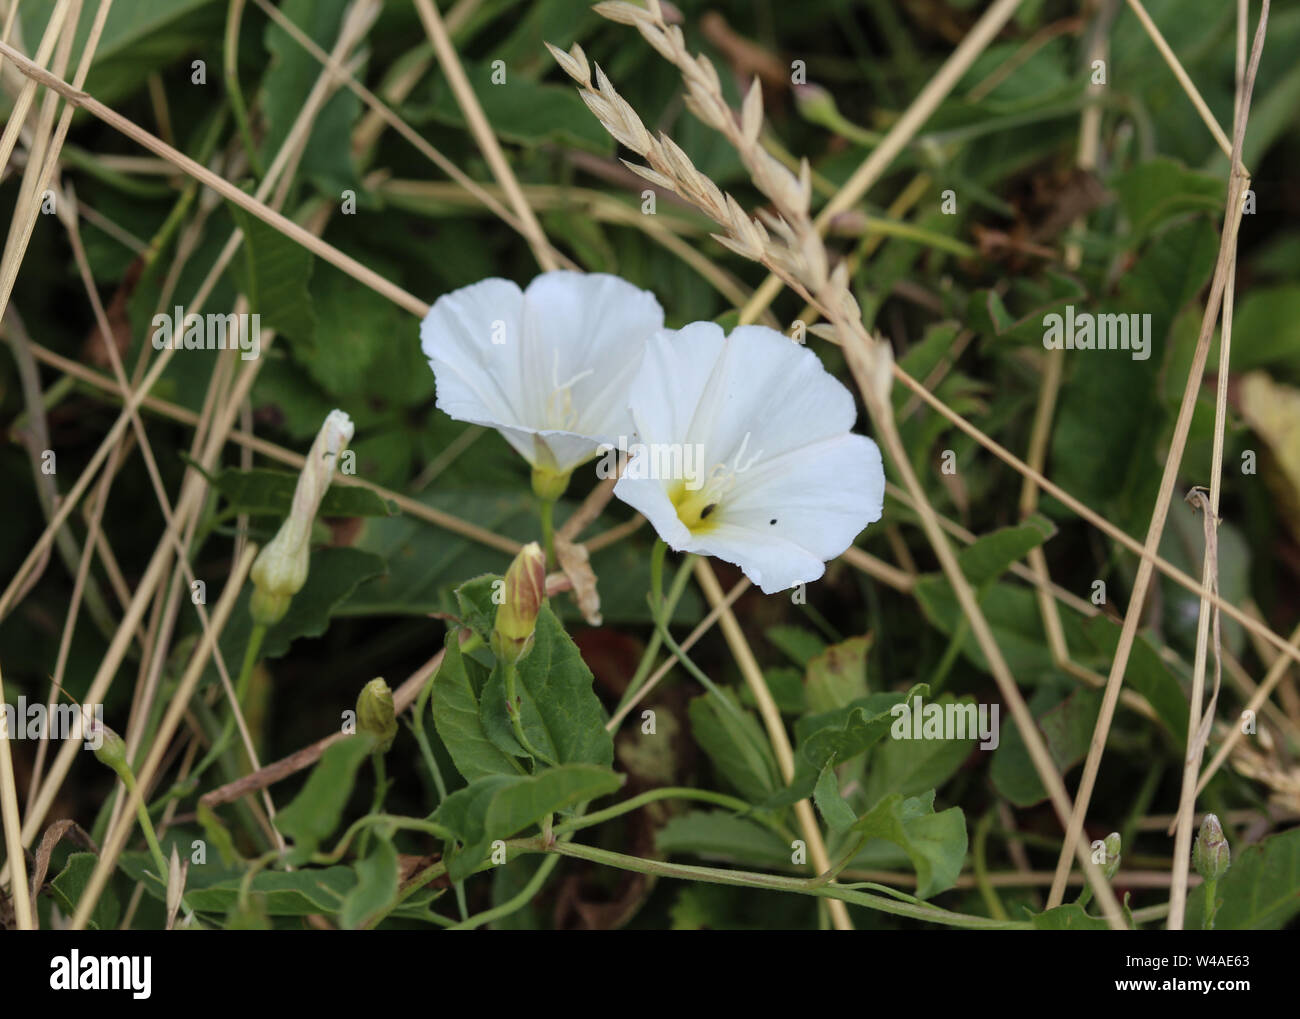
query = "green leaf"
x=376 y=887
x=360 y=361
x=799 y=645
x=1147 y=674
x=498 y=806
x=1266 y=329
x=1013 y=616
x=477 y=601
x=785 y=683
x=137 y=40
x=495 y=718
x=1100 y=458
x=1261 y=890
x=284 y=893
x=292 y=75
x=464 y=812
x=826 y=794
x=924 y=356
x=982 y=562
x=1066 y=726
x=263 y=492
x=272 y=271
x=911 y=766
x=839 y=735
x=989 y=556
x=529 y=799
x=714 y=834
x=334 y=574
x=1183 y=545
x=1161 y=188
x=455 y=704
x=837 y=675
x=736 y=745
x=935 y=843
x=68 y=887
x=560 y=706
x=316 y=811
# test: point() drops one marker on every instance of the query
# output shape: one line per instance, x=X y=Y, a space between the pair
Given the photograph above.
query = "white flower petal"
x=791 y=486
x=773 y=564
x=592 y=328
x=769 y=395
x=671 y=380
x=477 y=380
x=817 y=499
x=649 y=497
x=548 y=367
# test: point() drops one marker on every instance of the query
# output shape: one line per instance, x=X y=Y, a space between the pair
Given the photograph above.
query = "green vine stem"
x=775 y=882
x=548 y=532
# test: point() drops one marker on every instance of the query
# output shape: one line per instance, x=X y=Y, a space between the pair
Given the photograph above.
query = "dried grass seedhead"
x=785 y=240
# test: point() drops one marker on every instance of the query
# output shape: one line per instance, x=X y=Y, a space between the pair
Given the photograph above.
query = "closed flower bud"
x=815 y=104
x=376 y=714
x=1211 y=854
x=281 y=567
x=111 y=750
x=1111 y=866
x=525 y=593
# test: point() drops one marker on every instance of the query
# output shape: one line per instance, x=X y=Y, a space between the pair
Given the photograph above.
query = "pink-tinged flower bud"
x=815 y=104
x=281 y=567
x=1211 y=854
x=524 y=596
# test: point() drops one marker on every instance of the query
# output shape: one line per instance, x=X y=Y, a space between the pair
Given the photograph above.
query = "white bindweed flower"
x=547 y=367
x=779 y=484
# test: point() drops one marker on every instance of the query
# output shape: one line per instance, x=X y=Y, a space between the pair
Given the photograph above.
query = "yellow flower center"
x=699 y=508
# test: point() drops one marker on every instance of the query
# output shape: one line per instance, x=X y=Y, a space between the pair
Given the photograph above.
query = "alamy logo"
x=658 y=461
x=39 y=720
x=916 y=720
x=76 y=972
x=210 y=332
x=1086 y=331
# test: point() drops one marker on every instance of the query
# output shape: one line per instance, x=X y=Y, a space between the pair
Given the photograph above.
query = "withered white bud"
x=281 y=567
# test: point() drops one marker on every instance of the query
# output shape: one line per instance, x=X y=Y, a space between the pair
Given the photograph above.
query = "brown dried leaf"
x=53 y=835
x=575 y=563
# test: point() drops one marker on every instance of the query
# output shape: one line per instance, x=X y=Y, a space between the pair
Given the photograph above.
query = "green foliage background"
x=834 y=665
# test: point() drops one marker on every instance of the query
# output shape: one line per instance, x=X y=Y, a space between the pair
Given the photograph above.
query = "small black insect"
x=772 y=521
x=707 y=510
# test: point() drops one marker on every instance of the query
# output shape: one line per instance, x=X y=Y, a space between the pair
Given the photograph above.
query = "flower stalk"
x=112 y=754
